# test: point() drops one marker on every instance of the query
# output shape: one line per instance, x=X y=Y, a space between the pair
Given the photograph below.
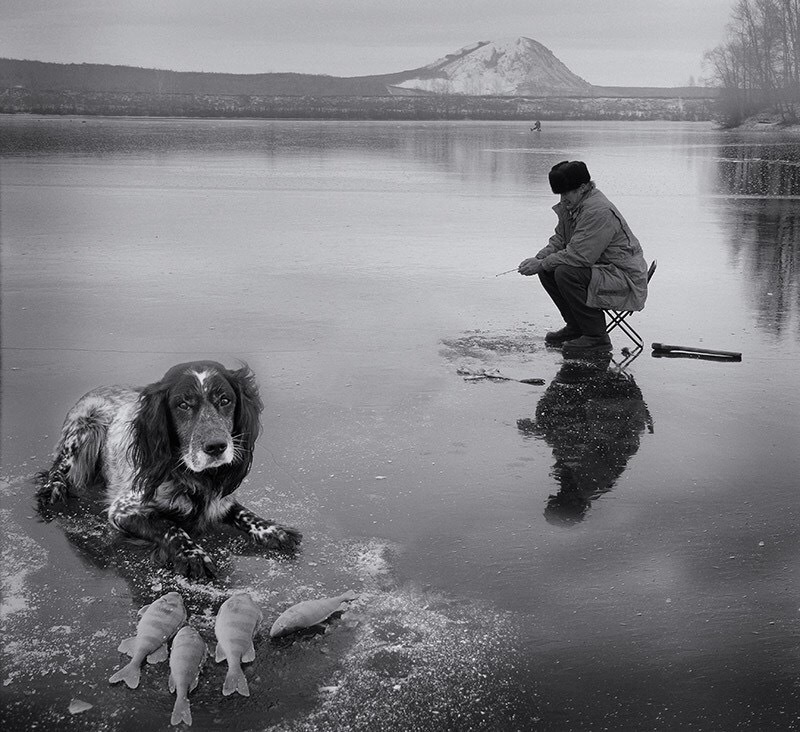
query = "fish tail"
x=129 y=674
x=235 y=680
x=181 y=712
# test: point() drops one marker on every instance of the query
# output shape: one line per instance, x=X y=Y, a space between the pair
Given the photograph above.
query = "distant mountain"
x=509 y=68
x=519 y=67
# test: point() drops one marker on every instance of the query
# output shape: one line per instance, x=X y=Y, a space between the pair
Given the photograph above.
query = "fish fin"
x=171 y=683
x=143 y=610
x=219 y=654
x=129 y=674
x=128 y=646
x=181 y=712
x=194 y=683
x=250 y=654
x=235 y=680
x=349 y=596
x=158 y=655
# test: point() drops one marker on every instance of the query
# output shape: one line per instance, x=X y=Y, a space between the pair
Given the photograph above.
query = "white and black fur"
x=171 y=454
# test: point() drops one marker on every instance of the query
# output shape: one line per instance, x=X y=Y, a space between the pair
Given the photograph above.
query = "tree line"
x=758 y=65
x=21 y=100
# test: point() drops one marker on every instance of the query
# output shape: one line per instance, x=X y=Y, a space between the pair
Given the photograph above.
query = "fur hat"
x=568 y=175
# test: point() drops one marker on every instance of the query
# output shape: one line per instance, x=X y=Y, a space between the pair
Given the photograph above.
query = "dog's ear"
x=246 y=424
x=247 y=418
x=151 y=446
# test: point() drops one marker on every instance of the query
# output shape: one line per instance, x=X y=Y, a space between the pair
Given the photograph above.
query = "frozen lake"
x=604 y=551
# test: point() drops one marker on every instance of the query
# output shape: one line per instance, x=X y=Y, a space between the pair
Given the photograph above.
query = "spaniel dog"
x=171 y=455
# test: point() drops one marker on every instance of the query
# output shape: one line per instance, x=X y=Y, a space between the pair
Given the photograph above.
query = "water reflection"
x=496 y=153
x=103 y=551
x=758 y=169
x=592 y=417
x=505 y=154
x=764 y=225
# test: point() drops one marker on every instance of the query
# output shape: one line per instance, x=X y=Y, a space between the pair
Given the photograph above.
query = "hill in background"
x=517 y=67
x=487 y=80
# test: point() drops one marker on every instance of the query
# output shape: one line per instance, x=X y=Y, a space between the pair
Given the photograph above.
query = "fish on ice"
x=158 y=622
x=309 y=612
x=236 y=624
x=185 y=660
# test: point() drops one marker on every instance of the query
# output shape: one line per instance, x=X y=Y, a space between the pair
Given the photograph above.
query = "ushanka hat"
x=568 y=175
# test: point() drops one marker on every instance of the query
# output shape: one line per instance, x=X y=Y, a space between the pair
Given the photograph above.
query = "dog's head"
x=201 y=418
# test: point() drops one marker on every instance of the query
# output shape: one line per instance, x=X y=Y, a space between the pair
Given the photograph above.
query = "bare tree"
x=757 y=66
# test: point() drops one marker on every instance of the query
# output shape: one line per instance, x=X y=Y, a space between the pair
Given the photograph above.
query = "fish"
x=158 y=622
x=185 y=659
x=309 y=612
x=236 y=624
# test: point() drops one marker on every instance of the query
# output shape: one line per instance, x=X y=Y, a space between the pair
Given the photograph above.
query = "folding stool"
x=618 y=319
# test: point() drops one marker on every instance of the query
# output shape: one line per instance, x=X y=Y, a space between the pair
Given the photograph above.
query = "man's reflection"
x=592 y=417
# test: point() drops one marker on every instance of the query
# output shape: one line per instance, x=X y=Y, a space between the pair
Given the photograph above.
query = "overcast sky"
x=607 y=42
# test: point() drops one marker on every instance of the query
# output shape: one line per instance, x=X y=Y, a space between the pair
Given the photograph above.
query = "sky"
x=606 y=42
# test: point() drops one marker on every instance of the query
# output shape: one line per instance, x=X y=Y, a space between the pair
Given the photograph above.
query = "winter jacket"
x=596 y=235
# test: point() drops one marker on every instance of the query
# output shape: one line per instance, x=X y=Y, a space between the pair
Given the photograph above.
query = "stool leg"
x=617 y=319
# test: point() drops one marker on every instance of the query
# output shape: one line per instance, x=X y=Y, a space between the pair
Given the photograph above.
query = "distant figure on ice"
x=537 y=126
x=592 y=262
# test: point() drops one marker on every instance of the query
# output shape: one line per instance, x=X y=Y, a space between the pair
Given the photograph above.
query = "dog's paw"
x=275 y=536
x=186 y=557
x=194 y=564
x=52 y=489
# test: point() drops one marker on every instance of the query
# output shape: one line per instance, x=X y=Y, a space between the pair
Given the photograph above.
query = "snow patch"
x=419 y=656
x=21 y=557
x=509 y=67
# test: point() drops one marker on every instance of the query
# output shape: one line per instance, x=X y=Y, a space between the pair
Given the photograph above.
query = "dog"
x=171 y=455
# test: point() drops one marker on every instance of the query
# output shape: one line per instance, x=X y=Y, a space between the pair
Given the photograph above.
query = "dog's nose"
x=215 y=448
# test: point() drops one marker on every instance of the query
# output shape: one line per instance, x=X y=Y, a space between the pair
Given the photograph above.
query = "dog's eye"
x=224 y=401
x=184 y=405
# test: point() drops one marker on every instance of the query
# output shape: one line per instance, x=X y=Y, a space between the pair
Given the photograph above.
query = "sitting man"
x=592 y=262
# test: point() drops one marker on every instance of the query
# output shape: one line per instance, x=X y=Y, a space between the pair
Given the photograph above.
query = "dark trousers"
x=568 y=286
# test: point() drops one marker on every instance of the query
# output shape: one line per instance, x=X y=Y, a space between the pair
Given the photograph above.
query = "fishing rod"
x=516 y=269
